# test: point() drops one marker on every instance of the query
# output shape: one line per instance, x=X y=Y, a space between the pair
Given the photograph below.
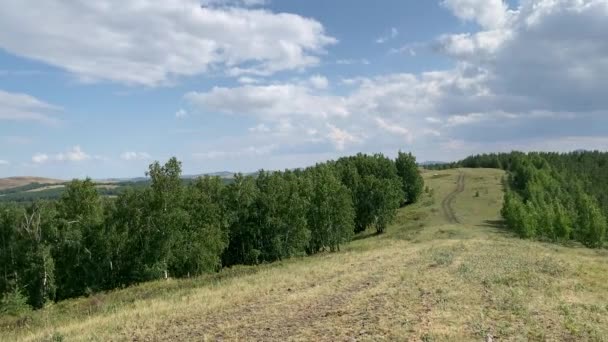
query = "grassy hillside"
x=445 y=270
x=15 y=182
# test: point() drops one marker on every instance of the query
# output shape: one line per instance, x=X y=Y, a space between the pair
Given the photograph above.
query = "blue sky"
x=102 y=89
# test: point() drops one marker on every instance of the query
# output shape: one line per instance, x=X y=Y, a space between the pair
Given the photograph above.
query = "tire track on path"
x=446 y=204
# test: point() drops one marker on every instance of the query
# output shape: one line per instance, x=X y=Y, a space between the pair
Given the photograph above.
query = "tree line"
x=84 y=242
x=553 y=196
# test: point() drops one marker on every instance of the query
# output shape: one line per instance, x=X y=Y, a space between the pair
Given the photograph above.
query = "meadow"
x=427 y=278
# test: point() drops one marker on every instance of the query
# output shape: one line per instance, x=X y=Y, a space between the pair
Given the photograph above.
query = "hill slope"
x=445 y=270
x=14 y=182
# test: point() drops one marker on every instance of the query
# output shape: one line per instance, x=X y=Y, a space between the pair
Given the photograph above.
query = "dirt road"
x=446 y=204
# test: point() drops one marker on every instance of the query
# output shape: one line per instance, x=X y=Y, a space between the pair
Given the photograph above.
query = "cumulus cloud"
x=269 y=101
x=153 y=42
x=394 y=129
x=487 y=13
x=24 y=107
x=245 y=3
x=251 y=151
x=260 y=128
x=248 y=80
x=548 y=56
x=40 y=158
x=340 y=137
x=129 y=156
x=531 y=76
x=319 y=82
x=75 y=154
x=353 y=61
x=4 y=162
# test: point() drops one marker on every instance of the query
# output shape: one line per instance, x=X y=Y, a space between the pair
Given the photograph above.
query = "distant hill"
x=15 y=182
x=432 y=162
x=27 y=189
x=221 y=174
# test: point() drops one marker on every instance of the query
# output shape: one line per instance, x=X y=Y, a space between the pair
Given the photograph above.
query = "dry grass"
x=59 y=186
x=48 y=187
x=424 y=280
x=14 y=182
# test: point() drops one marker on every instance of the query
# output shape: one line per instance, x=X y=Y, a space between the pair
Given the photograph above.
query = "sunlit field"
x=424 y=279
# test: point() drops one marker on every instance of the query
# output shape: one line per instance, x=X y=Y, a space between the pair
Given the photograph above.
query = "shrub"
x=14 y=303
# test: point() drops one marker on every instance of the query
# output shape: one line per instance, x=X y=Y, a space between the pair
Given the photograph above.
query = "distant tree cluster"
x=83 y=242
x=553 y=196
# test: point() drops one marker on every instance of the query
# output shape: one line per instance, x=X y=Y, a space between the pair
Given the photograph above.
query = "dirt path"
x=446 y=204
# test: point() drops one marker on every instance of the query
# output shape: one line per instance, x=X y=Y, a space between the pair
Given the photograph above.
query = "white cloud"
x=246 y=3
x=75 y=154
x=40 y=158
x=353 y=61
x=548 y=56
x=4 y=163
x=456 y=120
x=23 y=107
x=251 y=151
x=260 y=128
x=180 y=114
x=431 y=132
x=392 y=34
x=538 y=75
x=394 y=129
x=145 y=42
x=270 y=102
x=480 y=46
x=487 y=13
x=319 y=82
x=248 y=80
x=129 y=156
x=341 y=138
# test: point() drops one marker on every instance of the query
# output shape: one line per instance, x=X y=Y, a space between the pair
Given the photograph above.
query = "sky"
x=103 y=88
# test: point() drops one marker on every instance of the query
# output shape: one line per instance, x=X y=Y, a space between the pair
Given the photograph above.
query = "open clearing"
x=445 y=271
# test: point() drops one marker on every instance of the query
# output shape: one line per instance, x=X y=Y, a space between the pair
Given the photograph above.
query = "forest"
x=552 y=196
x=83 y=242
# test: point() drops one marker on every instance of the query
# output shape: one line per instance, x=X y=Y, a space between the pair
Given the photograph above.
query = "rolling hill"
x=15 y=182
x=446 y=270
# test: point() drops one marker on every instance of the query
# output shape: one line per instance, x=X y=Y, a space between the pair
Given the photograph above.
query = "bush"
x=14 y=303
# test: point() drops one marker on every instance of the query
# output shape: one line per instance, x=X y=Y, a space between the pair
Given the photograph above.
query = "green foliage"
x=82 y=243
x=240 y=201
x=14 y=303
x=331 y=213
x=78 y=249
x=412 y=181
x=281 y=210
x=205 y=237
x=375 y=186
x=590 y=222
x=554 y=196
